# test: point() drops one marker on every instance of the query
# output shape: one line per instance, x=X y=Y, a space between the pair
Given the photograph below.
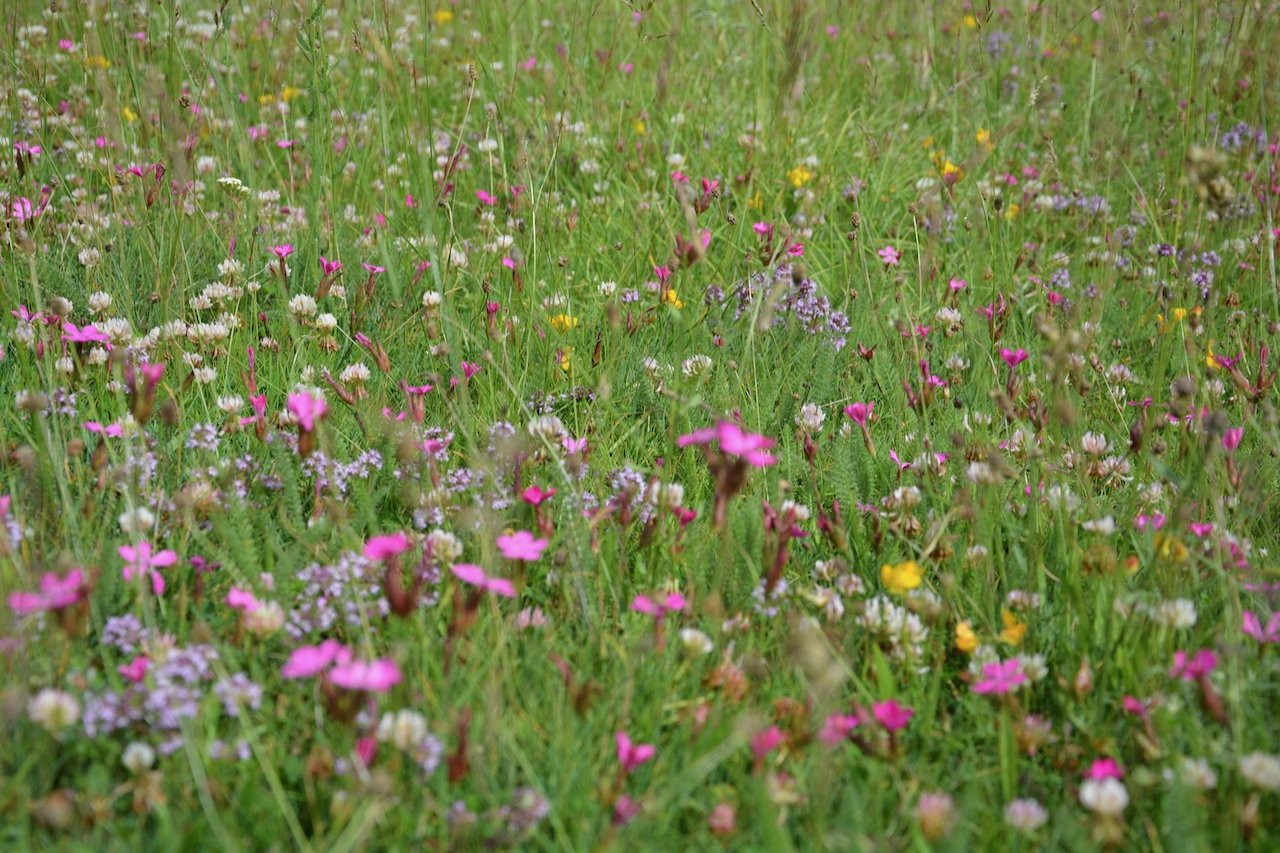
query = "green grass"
x=1039 y=155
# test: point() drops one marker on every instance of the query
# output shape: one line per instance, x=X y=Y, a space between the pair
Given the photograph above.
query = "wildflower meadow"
x=739 y=424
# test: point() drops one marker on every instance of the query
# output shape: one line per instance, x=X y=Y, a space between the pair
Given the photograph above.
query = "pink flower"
x=632 y=755
x=1155 y=521
x=1001 y=677
x=111 y=430
x=1104 y=768
x=282 y=251
x=57 y=592
x=859 y=412
x=733 y=441
x=891 y=715
x=1189 y=668
x=310 y=661
x=307 y=409
x=140 y=560
x=889 y=255
x=671 y=603
x=573 y=445
x=474 y=575
x=84 y=335
x=536 y=496
x=1135 y=706
x=1231 y=438
x=1013 y=357
x=242 y=599
x=135 y=670
x=486 y=198
x=836 y=727
x=957 y=284
x=386 y=545
x=765 y=742
x=1253 y=627
x=329 y=267
x=521 y=545
x=625 y=810
x=377 y=676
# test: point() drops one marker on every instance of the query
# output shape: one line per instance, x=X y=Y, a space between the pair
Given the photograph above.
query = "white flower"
x=1105 y=797
x=444 y=546
x=404 y=729
x=302 y=305
x=432 y=299
x=53 y=710
x=138 y=520
x=1025 y=815
x=99 y=301
x=1261 y=770
x=1197 y=773
x=696 y=366
x=138 y=757
x=549 y=428
x=355 y=374
x=811 y=418
x=265 y=619
x=695 y=642
x=326 y=323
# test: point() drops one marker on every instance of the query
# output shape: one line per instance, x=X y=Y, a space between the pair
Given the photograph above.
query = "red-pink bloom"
x=836 y=728
x=1104 y=768
x=486 y=198
x=242 y=599
x=891 y=715
x=765 y=742
x=521 y=545
x=386 y=545
x=282 y=251
x=111 y=430
x=88 y=334
x=329 y=267
x=310 y=661
x=1231 y=438
x=1155 y=521
x=859 y=412
x=1253 y=627
x=474 y=575
x=889 y=255
x=140 y=560
x=1013 y=357
x=1190 y=667
x=573 y=445
x=673 y=602
x=632 y=755
x=1001 y=677
x=307 y=409
x=536 y=496
x=377 y=676
x=57 y=592
x=625 y=810
x=1135 y=706
x=135 y=670
x=733 y=441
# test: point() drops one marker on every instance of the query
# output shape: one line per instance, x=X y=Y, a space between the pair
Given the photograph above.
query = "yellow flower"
x=966 y=639
x=983 y=136
x=1210 y=360
x=755 y=202
x=970 y=22
x=902 y=577
x=670 y=297
x=266 y=99
x=566 y=364
x=442 y=17
x=638 y=127
x=1014 y=629
x=799 y=176
x=564 y=322
x=97 y=62
x=928 y=142
x=1170 y=548
x=952 y=172
x=1012 y=211
x=289 y=93
x=128 y=115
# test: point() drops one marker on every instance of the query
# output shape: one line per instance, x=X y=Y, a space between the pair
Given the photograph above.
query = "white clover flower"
x=138 y=757
x=404 y=729
x=1106 y=797
x=53 y=710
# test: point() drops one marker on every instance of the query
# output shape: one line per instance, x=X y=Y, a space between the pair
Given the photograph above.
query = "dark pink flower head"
x=57 y=592
x=836 y=727
x=386 y=545
x=329 y=267
x=1104 y=768
x=135 y=670
x=1000 y=677
x=88 y=334
x=486 y=198
x=890 y=256
x=1253 y=627
x=139 y=560
x=1013 y=357
x=373 y=269
x=310 y=661
x=573 y=445
x=536 y=496
x=891 y=715
x=282 y=251
x=748 y=446
x=521 y=545
x=242 y=599
x=307 y=409
x=765 y=742
x=859 y=412
x=1190 y=667
x=672 y=602
x=377 y=676
x=1231 y=438
x=632 y=755
x=475 y=576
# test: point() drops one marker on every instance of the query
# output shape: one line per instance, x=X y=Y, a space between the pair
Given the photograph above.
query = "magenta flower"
x=536 y=496
x=1104 y=768
x=135 y=670
x=632 y=755
x=573 y=445
x=1001 y=678
x=625 y=810
x=1253 y=627
x=732 y=441
x=1231 y=439
x=486 y=198
x=859 y=412
x=671 y=603
x=57 y=592
x=836 y=727
x=386 y=545
x=765 y=742
x=307 y=409
x=329 y=267
x=891 y=715
x=1191 y=667
x=1013 y=357
x=889 y=255
x=110 y=430
x=88 y=334
x=242 y=599
x=140 y=561
x=474 y=575
x=521 y=545
x=282 y=251
x=377 y=676
x=310 y=661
